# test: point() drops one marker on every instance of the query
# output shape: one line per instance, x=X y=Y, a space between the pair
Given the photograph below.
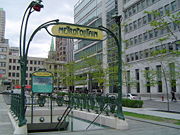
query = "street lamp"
x=33 y=6
x=118 y=40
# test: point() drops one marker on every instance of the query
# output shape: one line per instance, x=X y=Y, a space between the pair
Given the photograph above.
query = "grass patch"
x=155 y=118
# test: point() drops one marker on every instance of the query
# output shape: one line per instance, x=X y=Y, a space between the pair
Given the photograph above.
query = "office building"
x=139 y=42
x=64 y=49
x=146 y=73
x=89 y=13
x=2 y=25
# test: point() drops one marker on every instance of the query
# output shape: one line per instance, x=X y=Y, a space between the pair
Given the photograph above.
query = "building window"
x=150 y=34
x=3 y=57
x=146 y=52
x=177 y=45
x=135 y=25
x=31 y=62
x=136 y=56
x=130 y=27
x=170 y=47
x=17 y=67
x=149 y=2
x=137 y=74
x=145 y=36
x=135 y=40
x=172 y=71
x=138 y=87
x=2 y=64
x=139 y=22
x=167 y=8
x=172 y=76
x=141 y=54
x=14 y=60
x=149 y=17
x=134 y=9
x=173 y=6
x=13 y=74
x=128 y=82
x=159 y=86
x=156 y=32
x=17 y=74
x=143 y=4
x=127 y=58
x=131 y=42
x=147 y=76
x=10 y=60
x=159 y=77
x=9 y=75
x=132 y=57
x=140 y=38
x=139 y=7
x=145 y=20
x=161 y=11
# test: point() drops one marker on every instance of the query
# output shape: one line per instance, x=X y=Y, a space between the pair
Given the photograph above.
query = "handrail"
x=96 y=117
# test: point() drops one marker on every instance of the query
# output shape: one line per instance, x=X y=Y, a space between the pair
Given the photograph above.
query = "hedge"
x=132 y=103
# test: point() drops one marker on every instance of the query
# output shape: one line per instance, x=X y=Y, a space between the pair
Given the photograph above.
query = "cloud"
x=53 y=9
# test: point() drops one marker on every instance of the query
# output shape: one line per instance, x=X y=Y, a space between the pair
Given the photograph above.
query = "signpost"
x=42 y=82
x=68 y=30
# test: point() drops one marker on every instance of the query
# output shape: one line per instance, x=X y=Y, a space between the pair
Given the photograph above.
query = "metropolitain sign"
x=67 y=30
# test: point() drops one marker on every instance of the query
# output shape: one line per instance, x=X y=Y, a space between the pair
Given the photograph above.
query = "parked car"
x=132 y=96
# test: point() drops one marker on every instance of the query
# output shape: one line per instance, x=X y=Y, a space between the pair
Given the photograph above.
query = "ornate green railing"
x=90 y=102
x=15 y=104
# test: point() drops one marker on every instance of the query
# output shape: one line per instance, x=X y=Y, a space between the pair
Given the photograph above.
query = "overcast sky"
x=53 y=9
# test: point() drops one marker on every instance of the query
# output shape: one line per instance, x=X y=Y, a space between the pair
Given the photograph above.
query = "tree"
x=92 y=67
x=70 y=75
x=164 y=22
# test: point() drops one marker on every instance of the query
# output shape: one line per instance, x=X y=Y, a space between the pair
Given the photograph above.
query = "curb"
x=154 y=122
x=17 y=130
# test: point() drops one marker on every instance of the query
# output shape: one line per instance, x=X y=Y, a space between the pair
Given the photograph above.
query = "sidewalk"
x=6 y=127
x=153 y=112
x=158 y=99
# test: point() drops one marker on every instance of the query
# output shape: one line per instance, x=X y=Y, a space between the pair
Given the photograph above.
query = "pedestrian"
x=173 y=96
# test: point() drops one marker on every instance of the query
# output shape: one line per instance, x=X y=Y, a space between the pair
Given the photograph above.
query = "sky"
x=53 y=9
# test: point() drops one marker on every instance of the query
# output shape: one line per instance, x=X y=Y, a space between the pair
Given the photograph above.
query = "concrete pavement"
x=6 y=127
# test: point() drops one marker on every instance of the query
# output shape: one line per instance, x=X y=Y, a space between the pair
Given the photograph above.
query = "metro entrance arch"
x=73 y=31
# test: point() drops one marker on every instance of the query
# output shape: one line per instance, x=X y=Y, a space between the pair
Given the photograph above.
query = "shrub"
x=132 y=103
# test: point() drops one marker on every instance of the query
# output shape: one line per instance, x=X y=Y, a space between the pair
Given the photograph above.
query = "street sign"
x=42 y=82
x=67 y=30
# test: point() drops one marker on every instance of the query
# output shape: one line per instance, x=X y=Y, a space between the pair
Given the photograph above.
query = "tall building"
x=64 y=49
x=13 y=69
x=2 y=24
x=9 y=59
x=143 y=73
x=4 y=46
x=148 y=74
x=55 y=63
x=89 y=13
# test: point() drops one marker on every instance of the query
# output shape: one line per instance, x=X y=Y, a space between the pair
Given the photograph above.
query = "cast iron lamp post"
x=33 y=6
x=118 y=40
